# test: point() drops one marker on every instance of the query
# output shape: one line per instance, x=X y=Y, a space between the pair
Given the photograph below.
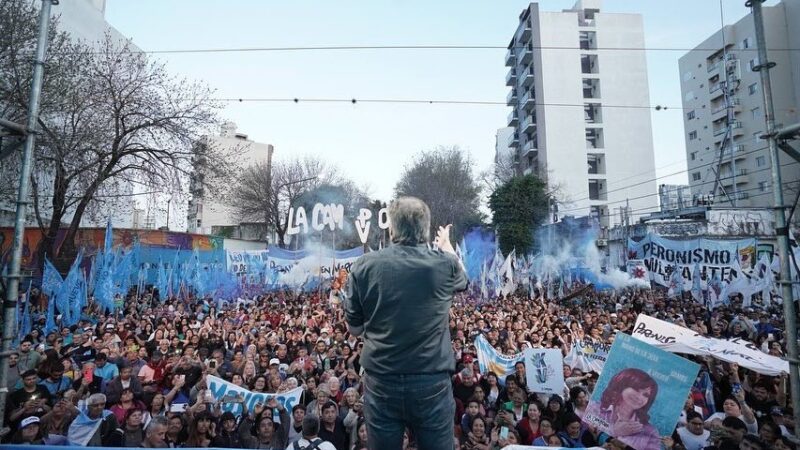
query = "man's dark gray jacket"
x=399 y=300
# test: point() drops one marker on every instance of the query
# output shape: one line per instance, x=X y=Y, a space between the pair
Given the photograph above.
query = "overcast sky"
x=372 y=142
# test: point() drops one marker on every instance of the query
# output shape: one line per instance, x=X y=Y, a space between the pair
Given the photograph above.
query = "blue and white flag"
x=697 y=290
x=51 y=279
x=70 y=293
x=490 y=360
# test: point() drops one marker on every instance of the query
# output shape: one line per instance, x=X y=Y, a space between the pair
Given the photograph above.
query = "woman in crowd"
x=528 y=428
x=125 y=404
x=477 y=438
x=579 y=400
x=692 y=435
x=546 y=429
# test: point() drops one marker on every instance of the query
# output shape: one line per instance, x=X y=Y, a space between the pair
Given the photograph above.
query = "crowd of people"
x=139 y=377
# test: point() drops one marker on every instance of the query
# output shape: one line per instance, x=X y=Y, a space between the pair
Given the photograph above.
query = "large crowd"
x=139 y=377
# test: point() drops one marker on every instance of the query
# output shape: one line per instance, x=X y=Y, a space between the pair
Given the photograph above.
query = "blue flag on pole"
x=70 y=293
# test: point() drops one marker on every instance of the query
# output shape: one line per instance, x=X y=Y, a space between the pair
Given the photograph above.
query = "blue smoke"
x=480 y=246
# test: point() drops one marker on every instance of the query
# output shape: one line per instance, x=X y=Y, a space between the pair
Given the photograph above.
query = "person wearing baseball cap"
x=29 y=432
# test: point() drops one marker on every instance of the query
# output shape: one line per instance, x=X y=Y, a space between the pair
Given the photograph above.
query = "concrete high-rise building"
x=504 y=156
x=724 y=109
x=206 y=210
x=580 y=108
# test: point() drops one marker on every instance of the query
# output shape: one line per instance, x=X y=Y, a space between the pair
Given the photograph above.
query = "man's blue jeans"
x=423 y=403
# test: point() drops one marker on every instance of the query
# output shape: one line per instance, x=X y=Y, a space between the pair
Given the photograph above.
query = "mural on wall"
x=91 y=240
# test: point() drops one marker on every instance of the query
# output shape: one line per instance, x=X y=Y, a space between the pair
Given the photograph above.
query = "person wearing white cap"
x=29 y=432
x=274 y=362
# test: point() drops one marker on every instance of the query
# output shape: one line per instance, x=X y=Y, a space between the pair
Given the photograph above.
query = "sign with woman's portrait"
x=640 y=393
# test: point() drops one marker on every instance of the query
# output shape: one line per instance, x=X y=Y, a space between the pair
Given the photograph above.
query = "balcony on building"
x=595 y=164
x=720 y=112
x=530 y=146
x=586 y=17
x=527 y=54
x=590 y=64
x=713 y=68
x=716 y=90
x=511 y=98
x=737 y=151
x=528 y=123
x=588 y=40
x=591 y=88
x=525 y=32
x=510 y=58
x=592 y=113
x=594 y=138
x=597 y=189
x=528 y=100
x=511 y=77
x=527 y=76
x=513 y=119
x=513 y=140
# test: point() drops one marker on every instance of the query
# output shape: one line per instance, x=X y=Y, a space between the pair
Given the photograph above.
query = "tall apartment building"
x=205 y=209
x=724 y=109
x=564 y=70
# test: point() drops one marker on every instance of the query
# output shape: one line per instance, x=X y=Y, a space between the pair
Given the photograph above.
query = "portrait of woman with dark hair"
x=624 y=409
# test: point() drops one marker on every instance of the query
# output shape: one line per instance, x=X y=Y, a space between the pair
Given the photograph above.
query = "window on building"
x=761 y=161
x=746 y=43
x=753 y=63
x=692 y=135
x=695 y=176
x=752 y=89
x=693 y=156
x=690 y=115
x=763 y=186
x=689 y=96
x=756 y=112
x=687 y=76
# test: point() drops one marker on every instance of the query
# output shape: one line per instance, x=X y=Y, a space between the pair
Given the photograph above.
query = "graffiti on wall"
x=734 y=222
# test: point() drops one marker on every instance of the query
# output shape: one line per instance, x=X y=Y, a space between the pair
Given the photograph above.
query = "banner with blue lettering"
x=490 y=360
x=640 y=394
x=715 y=258
x=220 y=389
x=587 y=355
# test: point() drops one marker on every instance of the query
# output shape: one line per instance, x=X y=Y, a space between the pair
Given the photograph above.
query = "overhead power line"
x=433 y=47
x=424 y=101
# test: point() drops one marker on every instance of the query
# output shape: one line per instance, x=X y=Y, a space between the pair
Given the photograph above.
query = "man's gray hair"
x=95 y=399
x=155 y=422
x=409 y=221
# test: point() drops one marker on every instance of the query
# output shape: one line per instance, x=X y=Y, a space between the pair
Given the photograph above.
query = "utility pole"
x=12 y=292
x=781 y=230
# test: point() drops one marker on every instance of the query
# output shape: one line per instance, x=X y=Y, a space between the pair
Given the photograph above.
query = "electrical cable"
x=429 y=47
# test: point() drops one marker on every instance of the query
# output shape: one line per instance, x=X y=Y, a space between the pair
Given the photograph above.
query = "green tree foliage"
x=518 y=207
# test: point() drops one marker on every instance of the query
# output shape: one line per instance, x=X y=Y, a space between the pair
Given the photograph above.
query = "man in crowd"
x=399 y=299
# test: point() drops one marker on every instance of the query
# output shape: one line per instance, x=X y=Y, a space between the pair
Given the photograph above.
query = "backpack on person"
x=313 y=445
